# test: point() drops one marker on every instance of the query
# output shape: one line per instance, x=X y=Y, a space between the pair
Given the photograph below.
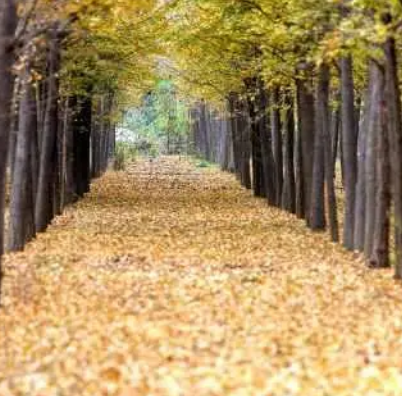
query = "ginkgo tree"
x=288 y=63
x=65 y=66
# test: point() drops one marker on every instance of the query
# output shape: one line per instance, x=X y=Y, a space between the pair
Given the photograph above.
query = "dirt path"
x=172 y=280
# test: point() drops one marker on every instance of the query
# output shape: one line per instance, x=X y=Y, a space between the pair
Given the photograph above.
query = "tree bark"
x=349 y=149
x=82 y=147
x=44 y=204
x=254 y=105
x=393 y=100
x=277 y=145
x=380 y=254
x=244 y=134
x=289 y=187
x=360 y=200
x=329 y=165
x=21 y=202
x=306 y=120
x=8 y=23
x=371 y=157
x=317 y=200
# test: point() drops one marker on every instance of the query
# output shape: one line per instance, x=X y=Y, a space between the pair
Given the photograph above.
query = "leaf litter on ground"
x=170 y=279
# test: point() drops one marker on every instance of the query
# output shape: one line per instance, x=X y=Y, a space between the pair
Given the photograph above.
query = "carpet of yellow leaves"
x=168 y=279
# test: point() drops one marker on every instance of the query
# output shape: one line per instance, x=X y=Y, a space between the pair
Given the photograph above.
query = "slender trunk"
x=371 y=157
x=317 y=200
x=335 y=126
x=21 y=205
x=306 y=118
x=69 y=190
x=349 y=149
x=81 y=137
x=300 y=193
x=257 y=109
x=393 y=100
x=244 y=135
x=268 y=160
x=277 y=145
x=360 y=201
x=8 y=23
x=232 y=101
x=380 y=254
x=289 y=188
x=44 y=205
x=14 y=125
x=204 y=130
x=324 y=108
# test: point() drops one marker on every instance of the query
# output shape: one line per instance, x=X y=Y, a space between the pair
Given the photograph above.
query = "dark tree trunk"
x=335 y=127
x=235 y=135
x=204 y=130
x=300 y=193
x=349 y=149
x=21 y=200
x=289 y=187
x=277 y=145
x=8 y=23
x=244 y=134
x=380 y=254
x=35 y=161
x=82 y=147
x=254 y=103
x=69 y=184
x=360 y=201
x=228 y=143
x=57 y=171
x=317 y=200
x=268 y=160
x=371 y=156
x=14 y=125
x=324 y=111
x=306 y=119
x=393 y=101
x=44 y=201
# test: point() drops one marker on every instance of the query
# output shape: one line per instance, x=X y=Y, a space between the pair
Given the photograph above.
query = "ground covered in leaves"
x=170 y=279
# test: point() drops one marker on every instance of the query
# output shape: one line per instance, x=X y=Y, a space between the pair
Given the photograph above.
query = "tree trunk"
x=256 y=139
x=232 y=102
x=82 y=137
x=268 y=160
x=69 y=189
x=317 y=200
x=371 y=157
x=14 y=125
x=300 y=193
x=306 y=119
x=44 y=204
x=277 y=145
x=393 y=100
x=8 y=23
x=289 y=187
x=21 y=202
x=324 y=111
x=380 y=254
x=360 y=200
x=244 y=135
x=349 y=149
x=335 y=127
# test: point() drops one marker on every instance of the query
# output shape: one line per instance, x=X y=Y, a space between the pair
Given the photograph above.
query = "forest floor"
x=170 y=279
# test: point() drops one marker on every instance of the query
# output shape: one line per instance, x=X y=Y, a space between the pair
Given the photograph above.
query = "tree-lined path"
x=170 y=279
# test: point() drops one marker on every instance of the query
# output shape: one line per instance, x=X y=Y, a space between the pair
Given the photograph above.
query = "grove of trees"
x=310 y=92
x=300 y=99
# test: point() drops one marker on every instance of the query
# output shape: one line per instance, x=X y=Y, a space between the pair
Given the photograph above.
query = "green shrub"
x=124 y=154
